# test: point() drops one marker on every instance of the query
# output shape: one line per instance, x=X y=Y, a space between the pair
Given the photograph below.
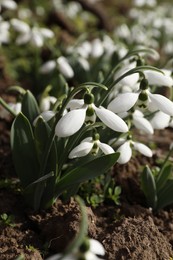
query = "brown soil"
x=129 y=231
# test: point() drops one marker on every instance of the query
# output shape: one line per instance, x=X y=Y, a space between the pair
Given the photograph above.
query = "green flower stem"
x=132 y=71
x=7 y=107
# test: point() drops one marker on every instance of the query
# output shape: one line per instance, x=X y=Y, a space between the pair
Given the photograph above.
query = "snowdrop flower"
x=47 y=102
x=48 y=67
x=129 y=80
x=89 y=250
x=64 y=67
x=141 y=123
x=4 y=32
x=73 y=120
x=8 y=4
x=92 y=145
x=143 y=98
x=20 y=26
x=125 y=150
x=96 y=48
x=35 y=35
x=157 y=78
x=46 y=115
x=160 y=120
x=16 y=107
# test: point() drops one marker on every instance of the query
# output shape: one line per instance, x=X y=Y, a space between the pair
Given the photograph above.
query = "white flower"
x=46 y=115
x=20 y=26
x=160 y=120
x=9 y=4
x=97 y=48
x=64 y=67
x=4 y=32
x=46 y=103
x=124 y=102
x=16 y=107
x=142 y=123
x=86 y=146
x=125 y=150
x=157 y=78
x=73 y=120
x=48 y=67
x=95 y=248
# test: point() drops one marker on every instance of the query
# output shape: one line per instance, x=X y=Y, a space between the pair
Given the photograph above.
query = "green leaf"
x=86 y=171
x=24 y=151
x=148 y=186
x=163 y=176
x=45 y=190
x=29 y=106
x=165 y=196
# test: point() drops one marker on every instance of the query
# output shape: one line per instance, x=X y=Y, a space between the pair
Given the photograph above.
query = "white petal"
x=143 y=149
x=65 y=67
x=89 y=256
x=162 y=103
x=125 y=153
x=47 y=67
x=143 y=124
x=157 y=78
x=75 y=103
x=9 y=4
x=123 y=102
x=111 y=120
x=46 y=115
x=47 y=33
x=106 y=149
x=115 y=142
x=160 y=120
x=70 y=123
x=96 y=247
x=20 y=26
x=81 y=150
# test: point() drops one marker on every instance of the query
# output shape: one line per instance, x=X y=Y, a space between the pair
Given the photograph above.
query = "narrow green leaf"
x=165 y=196
x=148 y=186
x=42 y=179
x=163 y=176
x=24 y=151
x=86 y=171
x=45 y=190
x=29 y=106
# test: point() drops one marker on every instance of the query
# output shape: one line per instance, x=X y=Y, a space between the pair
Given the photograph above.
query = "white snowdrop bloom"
x=157 y=78
x=97 y=48
x=15 y=107
x=129 y=80
x=20 y=26
x=161 y=103
x=86 y=146
x=47 y=33
x=36 y=37
x=64 y=67
x=48 y=67
x=95 y=249
x=84 y=49
x=123 y=102
x=8 y=4
x=123 y=31
x=73 y=120
x=160 y=120
x=4 y=32
x=84 y=63
x=142 y=123
x=125 y=151
x=46 y=115
x=75 y=103
x=141 y=3
x=46 y=103
x=143 y=149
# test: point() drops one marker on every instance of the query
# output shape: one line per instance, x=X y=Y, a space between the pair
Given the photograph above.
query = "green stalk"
x=7 y=107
